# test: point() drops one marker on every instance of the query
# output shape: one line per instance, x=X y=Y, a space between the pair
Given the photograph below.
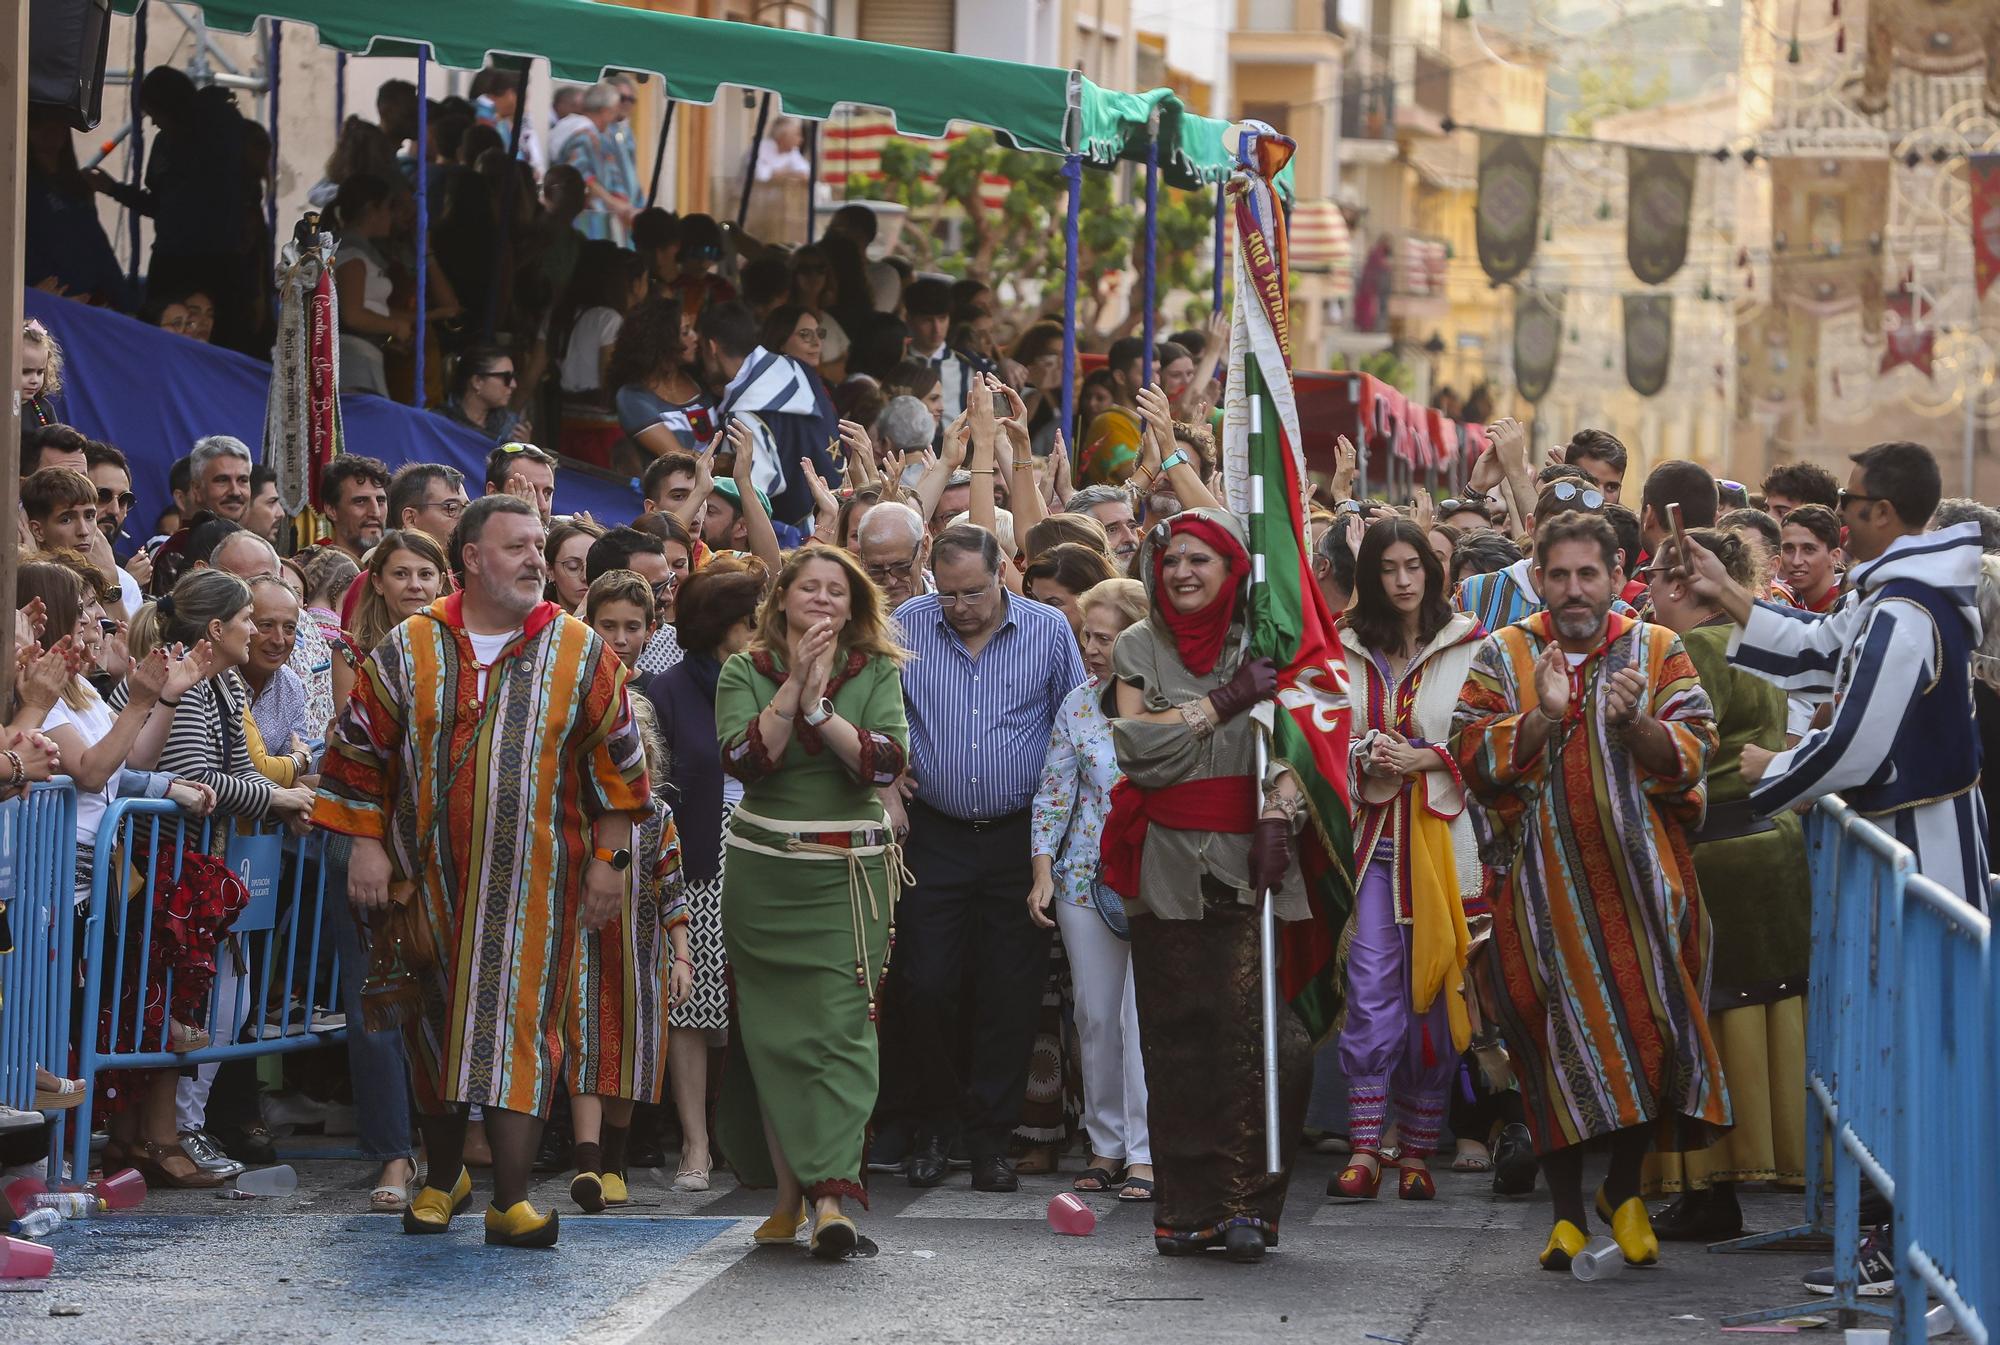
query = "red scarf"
x=1199 y=635
x=1226 y=804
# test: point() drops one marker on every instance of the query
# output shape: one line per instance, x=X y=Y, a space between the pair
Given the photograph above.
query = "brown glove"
x=1256 y=680
x=1271 y=853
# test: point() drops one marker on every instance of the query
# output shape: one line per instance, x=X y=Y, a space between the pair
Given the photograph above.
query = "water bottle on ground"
x=1070 y=1216
x=1600 y=1259
x=36 y=1224
x=122 y=1190
x=277 y=1181
x=69 y=1204
x=25 y=1260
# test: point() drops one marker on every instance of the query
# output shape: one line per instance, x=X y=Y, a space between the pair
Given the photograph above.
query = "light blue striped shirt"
x=979 y=727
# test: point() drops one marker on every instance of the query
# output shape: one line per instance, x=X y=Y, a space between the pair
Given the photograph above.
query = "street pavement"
x=953 y=1265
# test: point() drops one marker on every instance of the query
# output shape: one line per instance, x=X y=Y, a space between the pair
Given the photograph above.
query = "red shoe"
x=1356 y=1182
x=1416 y=1184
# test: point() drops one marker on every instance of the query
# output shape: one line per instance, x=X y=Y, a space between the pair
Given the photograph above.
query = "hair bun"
x=165 y=605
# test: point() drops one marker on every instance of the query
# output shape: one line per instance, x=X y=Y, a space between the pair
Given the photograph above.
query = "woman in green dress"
x=810 y=720
x=1756 y=890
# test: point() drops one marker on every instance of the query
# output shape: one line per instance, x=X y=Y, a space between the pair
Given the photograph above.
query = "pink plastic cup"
x=24 y=1189
x=25 y=1260
x=124 y=1189
x=1069 y=1216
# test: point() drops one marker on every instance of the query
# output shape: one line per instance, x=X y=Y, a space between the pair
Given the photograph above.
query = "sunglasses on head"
x=1570 y=490
x=1459 y=506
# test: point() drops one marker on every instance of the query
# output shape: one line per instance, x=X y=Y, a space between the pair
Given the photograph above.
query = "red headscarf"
x=1200 y=635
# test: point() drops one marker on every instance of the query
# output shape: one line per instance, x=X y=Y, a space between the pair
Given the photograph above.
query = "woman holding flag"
x=1194 y=837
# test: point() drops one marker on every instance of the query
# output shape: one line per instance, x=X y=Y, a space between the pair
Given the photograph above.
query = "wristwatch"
x=620 y=860
x=820 y=713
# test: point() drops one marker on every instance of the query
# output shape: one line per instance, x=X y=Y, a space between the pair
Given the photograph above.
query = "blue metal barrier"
x=282 y=957
x=1902 y=1030
x=37 y=880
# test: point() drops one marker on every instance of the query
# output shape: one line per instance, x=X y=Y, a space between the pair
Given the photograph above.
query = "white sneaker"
x=291 y=1110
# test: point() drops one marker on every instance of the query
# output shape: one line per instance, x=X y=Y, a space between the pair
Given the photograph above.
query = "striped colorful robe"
x=1599 y=955
x=500 y=879
x=616 y=1028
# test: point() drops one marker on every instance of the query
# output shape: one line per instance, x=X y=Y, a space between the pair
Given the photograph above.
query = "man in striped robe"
x=1896 y=659
x=1583 y=736
x=489 y=756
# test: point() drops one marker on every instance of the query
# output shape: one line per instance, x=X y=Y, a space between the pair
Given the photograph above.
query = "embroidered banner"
x=1649 y=341
x=1984 y=171
x=1510 y=201
x=1908 y=342
x=1538 y=332
x=1659 y=195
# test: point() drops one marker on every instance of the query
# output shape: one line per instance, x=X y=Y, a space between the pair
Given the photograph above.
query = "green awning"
x=1117 y=125
x=926 y=91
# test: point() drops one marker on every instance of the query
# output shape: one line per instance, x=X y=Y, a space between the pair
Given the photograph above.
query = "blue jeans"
x=375 y=1060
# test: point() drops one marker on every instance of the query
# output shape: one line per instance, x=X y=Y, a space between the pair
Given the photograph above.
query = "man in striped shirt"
x=990 y=672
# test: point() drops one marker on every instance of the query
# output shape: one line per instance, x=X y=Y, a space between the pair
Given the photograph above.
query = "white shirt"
x=773 y=162
x=582 y=364
x=130 y=593
x=91 y=723
x=486 y=648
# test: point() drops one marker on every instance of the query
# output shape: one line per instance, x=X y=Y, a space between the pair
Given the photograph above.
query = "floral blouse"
x=1076 y=783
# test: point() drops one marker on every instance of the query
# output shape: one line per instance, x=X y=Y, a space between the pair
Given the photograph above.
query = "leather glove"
x=1271 y=852
x=1256 y=680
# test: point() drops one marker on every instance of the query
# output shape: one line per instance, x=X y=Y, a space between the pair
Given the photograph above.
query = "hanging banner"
x=1908 y=342
x=1538 y=331
x=1510 y=202
x=1649 y=341
x=1659 y=196
x=1984 y=172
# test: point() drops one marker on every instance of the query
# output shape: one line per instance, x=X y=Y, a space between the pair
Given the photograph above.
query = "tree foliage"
x=1022 y=239
x=1611 y=88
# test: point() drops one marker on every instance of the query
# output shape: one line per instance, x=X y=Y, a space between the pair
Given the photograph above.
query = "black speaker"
x=68 y=41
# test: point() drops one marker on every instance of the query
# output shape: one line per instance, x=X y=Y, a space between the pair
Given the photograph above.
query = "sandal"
x=388 y=1200
x=1142 y=1185
x=182 y=1038
x=1475 y=1159
x=151 y=1160
x=1095 y=1180
x=56 y=1094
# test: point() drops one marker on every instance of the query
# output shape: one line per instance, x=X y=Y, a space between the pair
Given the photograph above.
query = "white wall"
x=1009 y=30
x=1197 y=33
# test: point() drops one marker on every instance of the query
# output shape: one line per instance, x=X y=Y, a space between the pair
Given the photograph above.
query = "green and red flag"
x=1264 y=468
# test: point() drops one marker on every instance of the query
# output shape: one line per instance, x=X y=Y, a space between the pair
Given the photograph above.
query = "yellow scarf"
x=1439 y=940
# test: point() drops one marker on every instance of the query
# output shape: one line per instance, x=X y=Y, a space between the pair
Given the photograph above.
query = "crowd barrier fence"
x=1902 y=1082
x=37 y=867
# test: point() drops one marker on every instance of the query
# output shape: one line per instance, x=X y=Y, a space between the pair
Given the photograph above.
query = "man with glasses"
x=1504 y=597
x=482 y=392
x=982 y=691
x=112 y=475
x=895 y=549
x=429 y=497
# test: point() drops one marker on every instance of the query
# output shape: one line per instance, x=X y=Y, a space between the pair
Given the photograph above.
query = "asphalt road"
x=953 y=1265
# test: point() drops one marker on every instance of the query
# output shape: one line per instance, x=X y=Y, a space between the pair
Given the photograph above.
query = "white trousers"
x=1107 y=1020
x=231 y=987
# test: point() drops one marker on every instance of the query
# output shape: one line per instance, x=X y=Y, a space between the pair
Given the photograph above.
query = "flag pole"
x=1267 y=946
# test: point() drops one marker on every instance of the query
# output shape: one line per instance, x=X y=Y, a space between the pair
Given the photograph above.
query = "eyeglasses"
x=663 y=592
x=507 y=376
x=811 y=333
x=450 y=508
x=1848 y=497
x=899 y=570
x=123 y=499
x=948 y=601
x=1569 y=490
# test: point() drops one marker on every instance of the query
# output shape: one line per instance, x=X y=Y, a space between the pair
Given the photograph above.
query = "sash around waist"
x=859 y=836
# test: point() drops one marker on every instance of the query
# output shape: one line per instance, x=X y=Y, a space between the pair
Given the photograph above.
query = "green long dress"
x=807 y=932
x=1758 y=896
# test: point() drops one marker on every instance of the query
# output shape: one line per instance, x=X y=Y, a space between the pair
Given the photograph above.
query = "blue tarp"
x=152 y=393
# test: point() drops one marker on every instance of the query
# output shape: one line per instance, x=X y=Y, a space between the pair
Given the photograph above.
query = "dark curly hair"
x=648 y=345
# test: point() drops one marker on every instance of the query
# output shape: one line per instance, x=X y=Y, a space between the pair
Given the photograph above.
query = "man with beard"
x=1583 y=737
x=1111 y=506
x=509 y=803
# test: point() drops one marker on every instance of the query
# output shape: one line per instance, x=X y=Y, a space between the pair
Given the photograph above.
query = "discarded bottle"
x=1600 y=1259
x=1068 y=1215
x=24 y=1189
x=36 y=1224
x=69 y=1204
x=277 y=1181
x=25 y=1260
x=124 y=1189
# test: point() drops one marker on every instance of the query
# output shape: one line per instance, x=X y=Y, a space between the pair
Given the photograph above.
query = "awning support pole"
x=339 y=90
x=812 y=181
x=423 y=217
x=1152 y=249
x=135 y=158
x=750 y=162
x=1073 y=214
x=509 y=191
x=276 y=59
x=660 y=153
x=1215 y=281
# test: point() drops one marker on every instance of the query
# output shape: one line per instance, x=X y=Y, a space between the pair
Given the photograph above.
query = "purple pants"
x=1387 y=1049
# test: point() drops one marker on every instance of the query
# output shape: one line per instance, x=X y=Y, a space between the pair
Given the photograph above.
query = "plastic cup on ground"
x=124 y=1189
x=1600 y=1259
x=21 y=1260
x=277 y=1181
x=24 y=1189
x=1069 y=1216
